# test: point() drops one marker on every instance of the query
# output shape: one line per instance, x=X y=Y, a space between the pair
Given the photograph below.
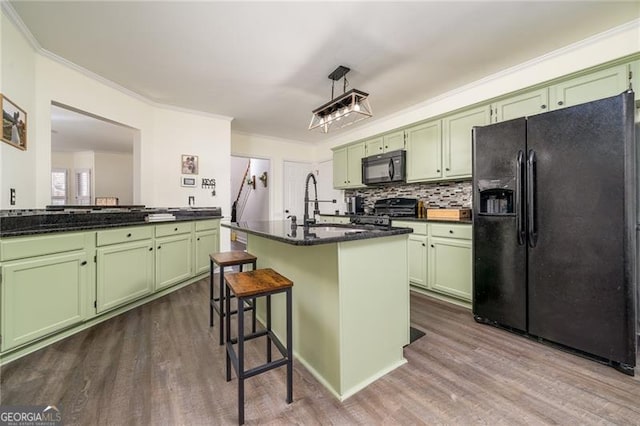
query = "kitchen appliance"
x=384 y=168
x=554 y=228
x=355 y=204
x=386 y=209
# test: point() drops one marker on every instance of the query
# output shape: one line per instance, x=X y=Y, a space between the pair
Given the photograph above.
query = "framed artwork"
x=14 y=124
x=188 y=181
x=189 y=164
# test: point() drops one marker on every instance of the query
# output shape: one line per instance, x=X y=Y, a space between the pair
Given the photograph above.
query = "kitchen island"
x=350 y=297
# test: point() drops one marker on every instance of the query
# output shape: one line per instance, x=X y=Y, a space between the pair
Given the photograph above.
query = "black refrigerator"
x=554 y=228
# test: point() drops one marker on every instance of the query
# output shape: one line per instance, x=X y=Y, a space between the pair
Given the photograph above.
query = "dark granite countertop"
x=33 y=222
x=316 y=234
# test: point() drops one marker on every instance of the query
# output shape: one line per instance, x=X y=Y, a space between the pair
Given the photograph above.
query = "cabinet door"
x=597 y=85
x=523 y=105
x=340 y=168
x=173 y=260
x=355 y=154
x=206 y=243
x=424 y=153
x=124 y=273
x=418 y=260
x=450 y=267
x=42 y=295
x=457 y=141
x=393 y=141
x=373 y=146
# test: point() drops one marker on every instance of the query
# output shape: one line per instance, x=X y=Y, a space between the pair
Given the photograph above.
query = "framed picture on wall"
x=14 y=124
x=189 y=164
x=188 y=181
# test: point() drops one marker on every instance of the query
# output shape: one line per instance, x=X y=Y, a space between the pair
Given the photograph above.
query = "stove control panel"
x=371 y=220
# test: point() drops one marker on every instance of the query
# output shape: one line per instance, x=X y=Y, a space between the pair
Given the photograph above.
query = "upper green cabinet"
x=394 y=141
x=424 y=152
x=347 y=166
x=374 y=146
x=389 y=142
x=589 y=87
x=457 y=140
x=526 y=104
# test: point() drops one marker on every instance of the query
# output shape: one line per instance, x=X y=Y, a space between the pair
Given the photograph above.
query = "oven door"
x=383 y=168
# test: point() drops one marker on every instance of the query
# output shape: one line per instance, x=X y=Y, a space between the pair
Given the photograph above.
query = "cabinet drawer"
x=173 y=229
x=450 y=230
x=204 y=225
x=418 y=227
x=123 y=235
x=21 y=247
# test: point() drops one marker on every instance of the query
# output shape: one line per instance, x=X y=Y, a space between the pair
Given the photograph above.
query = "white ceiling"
x=266 y=63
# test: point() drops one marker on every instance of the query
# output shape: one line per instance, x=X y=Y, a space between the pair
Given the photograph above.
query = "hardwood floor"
x=160 y=364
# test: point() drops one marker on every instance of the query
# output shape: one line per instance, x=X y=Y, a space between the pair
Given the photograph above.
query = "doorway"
x=250 y=194
x=295 y=173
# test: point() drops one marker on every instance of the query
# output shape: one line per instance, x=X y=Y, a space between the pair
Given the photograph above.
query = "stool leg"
x=253 y=315
x=211 y=293
x=227 y=301
x=240 y=360
x=268 y=328
x=222 y=311
x=289 y=349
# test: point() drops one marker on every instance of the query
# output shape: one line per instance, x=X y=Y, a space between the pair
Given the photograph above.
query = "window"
x=58 y=186
x=83 y=186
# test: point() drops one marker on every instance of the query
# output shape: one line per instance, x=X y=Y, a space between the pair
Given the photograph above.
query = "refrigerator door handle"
x=519 y=204
x=531 y=198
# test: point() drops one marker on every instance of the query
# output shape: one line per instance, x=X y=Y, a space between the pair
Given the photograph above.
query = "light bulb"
x=356 y=107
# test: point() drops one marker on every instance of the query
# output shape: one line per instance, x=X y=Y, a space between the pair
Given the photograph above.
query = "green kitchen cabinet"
x=374 y=146
x=124 y=273
x=207 y=242
x=450 y=260
x=522 y=105
x=424 y=152
x=457 y=140
x=173 y=260
x=418 y=260
x=347 y=166
x=393 y=141
x=42 y=295
x=596 y=85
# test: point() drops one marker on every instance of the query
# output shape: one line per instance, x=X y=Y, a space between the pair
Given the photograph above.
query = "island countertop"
x=281 y=230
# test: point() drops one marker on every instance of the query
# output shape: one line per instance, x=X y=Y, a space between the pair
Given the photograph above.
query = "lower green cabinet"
x=417 y=260
x=207 y=242
x=173 y=260
x=42 y=295
x=124 y=273
x=449 y=266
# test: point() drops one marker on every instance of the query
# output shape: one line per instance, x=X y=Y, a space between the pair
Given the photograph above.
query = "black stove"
x=387 y=209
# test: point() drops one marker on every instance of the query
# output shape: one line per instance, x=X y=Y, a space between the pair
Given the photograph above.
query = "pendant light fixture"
x=346 y=109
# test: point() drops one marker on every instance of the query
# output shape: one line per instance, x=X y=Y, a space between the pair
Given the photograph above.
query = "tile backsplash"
x=434 y=195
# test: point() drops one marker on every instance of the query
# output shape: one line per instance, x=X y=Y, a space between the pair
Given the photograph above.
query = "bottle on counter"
x=420 y=209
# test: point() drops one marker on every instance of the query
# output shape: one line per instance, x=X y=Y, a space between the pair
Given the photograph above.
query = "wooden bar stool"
x=249 y=285
x=224 y=259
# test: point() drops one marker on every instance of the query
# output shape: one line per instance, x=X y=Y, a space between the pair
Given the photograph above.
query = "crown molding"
x=271 y=138
x=13 y=16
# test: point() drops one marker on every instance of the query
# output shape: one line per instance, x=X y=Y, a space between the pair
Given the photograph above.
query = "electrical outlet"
x=12 y=196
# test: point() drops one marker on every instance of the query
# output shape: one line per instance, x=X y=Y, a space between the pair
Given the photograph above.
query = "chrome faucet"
x=306 y=220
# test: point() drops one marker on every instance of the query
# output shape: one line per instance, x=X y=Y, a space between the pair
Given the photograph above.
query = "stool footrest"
x=216 y=307
x=272 y=337
x=265 y=367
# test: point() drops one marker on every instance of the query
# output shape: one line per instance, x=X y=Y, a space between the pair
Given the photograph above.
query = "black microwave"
x=384 y=168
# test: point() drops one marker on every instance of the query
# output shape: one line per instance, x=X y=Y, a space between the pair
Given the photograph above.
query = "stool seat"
x=232 y=258
x=227 y=259
x=255 y=283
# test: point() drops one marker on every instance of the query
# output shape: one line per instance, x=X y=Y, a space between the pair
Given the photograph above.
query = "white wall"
x=16 y=82
x=113 y=176
x=165 y=133
x=257 y=200
x=277 y=151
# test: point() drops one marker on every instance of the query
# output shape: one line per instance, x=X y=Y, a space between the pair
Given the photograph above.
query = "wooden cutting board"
x=448 y=214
